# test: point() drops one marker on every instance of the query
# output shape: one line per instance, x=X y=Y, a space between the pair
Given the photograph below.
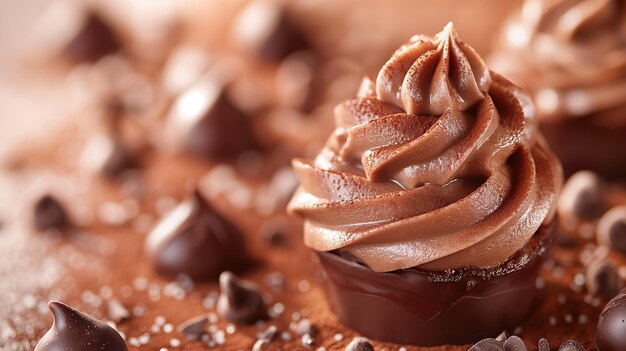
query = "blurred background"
x=364 y=32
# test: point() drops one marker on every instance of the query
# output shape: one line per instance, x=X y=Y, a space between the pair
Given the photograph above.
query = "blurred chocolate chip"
x=570 y=345
x=566 y=240
x=116 y=311
x=359 y=344
x=611 y=230
x=514 y=343
x=194 y=328
x=73 y=330
x=197 y=241
x=487 y=345
x=583 y=196
x=304 y=326
x=543 y=345
x=48 y=213
x=240 y=301
x=502 y=336
x=261 y=344
x=612 y=325
x=94 y=39
x=603 y=278
x=264 y=30
x=205 y=122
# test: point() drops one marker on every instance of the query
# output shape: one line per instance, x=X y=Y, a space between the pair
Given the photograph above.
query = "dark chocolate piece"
x=194 y=328
x=197 y=241
x=603 y=278
x=611 y=332
x=514 y=343
x=488 y=344
x=543 y=345
x=205 y=122
x=75 y=331
x=94 y=40
x=429 y=308
x=359 y=344
x=570 y=345
x=264 y=30
x=612 y=229
x=240 y=301
x=48 y=213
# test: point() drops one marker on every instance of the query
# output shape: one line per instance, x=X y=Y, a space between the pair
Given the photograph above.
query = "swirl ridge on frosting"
x=436 y=164
x=571 y=54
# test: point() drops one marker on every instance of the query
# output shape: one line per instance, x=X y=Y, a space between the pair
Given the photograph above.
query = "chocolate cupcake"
x=571 y=56
x=431 y=206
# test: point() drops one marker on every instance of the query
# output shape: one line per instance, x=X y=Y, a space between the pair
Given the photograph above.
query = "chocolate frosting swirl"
x=436 y=164
x=571 y=54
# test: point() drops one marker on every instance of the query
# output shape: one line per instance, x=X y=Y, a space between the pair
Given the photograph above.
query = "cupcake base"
x=428 y=308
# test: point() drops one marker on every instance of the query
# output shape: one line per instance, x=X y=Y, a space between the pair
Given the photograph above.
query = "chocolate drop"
x=603 y=278
x=204 y=122
x=75 y=331
x=488 y=344
x=543 y=345
x=514 y=343
x=583 y=196
x=197 y=241
x=94 y=40
x=240 y=301
x=611 y=331
x=570 y=345
x=359 y=344
x=194 y=328
x=612 y=229
x=48 y=213
x=265 y=31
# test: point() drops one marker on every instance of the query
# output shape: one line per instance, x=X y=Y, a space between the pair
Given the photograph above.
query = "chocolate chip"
x=514 y=343
x=304 y=326
x=603 y=278
x=93 y=40
x=570 y=345
x=197 y=241
x=194 y=328
x=543 y=345
x=359 y=344
x=502 y=336
x=583 y=196
x=116 y=311
x=260 y=344
x=612 y=229
x=612 y=325
x=203 y=121
x=73 y=330
x=48 y=213
x=264 y=30
x=487 y=345
x=240 y=301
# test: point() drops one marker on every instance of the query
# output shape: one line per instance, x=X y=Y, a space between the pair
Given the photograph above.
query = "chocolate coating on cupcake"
x=611 y=332
x=197 y=241
x=440 y=167
x=74 y=331
x=205 y=122
x=94 y=39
